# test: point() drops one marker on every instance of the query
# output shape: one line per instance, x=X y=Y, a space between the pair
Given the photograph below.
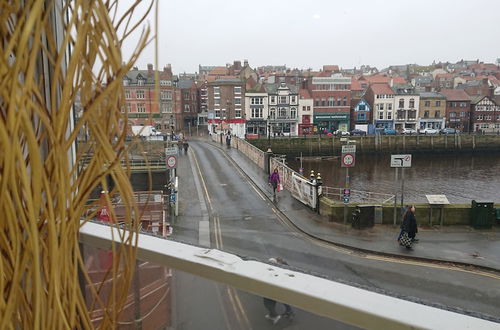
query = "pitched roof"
x=184 y=84
x=383 y=88
x=331 y=68
x=218 y=71
x=433 y=95
x=444 y=76
x=304 y=94
x=355 y=85
x=455 y=95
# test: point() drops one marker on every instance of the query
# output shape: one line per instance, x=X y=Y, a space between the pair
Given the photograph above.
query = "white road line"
x=203 y=225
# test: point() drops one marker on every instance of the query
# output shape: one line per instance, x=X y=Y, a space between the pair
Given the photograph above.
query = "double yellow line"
x=235 y=302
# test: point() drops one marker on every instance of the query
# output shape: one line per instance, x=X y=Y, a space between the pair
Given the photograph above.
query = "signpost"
x=171 y=162
x=438 y=201
x=348 y=159
x=400 y=161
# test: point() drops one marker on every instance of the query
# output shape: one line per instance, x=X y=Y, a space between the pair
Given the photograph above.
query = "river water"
x=461 y=178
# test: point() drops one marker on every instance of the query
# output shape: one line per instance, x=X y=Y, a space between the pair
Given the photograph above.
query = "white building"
x=306 y=111
x=256 y=114
x=283 y=109
x=406 y=105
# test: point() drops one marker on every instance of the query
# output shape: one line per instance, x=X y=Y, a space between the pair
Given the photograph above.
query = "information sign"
x=348 y=148
x=400 y=160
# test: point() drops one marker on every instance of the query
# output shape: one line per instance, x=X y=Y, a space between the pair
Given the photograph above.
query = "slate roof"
x=431 y=95
x=455 y=95
x=379 y=89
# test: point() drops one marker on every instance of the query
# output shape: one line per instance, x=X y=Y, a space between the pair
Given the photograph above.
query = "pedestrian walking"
x=408 y=228
x=274 y=181
x=228 y=141
x=186 y=146
x=270 y=304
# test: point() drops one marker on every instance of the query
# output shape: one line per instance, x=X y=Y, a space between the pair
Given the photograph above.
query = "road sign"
x=172 y=197
x=400 y=160
x=171 y=161
x=348 y=160
x=346 y=199
x=171 y=151
x=348 y=148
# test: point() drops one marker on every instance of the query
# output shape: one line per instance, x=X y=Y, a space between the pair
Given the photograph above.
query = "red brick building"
x=189 y=104
x=485 y=115
x=457 y=109
x=144 y=107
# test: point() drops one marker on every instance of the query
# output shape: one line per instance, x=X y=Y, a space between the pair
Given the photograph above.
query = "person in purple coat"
x=274 y=181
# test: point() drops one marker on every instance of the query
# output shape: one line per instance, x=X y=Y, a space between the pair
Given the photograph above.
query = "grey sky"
x=312 y=33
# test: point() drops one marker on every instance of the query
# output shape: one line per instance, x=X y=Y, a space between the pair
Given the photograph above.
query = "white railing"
x=347 y=304
x=358 y=196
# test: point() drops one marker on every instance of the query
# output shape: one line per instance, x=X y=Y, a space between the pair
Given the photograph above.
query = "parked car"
x=429 y=131
x=408 y=131
x=341 y=133
x=389 y=131
x=358 y=132
x=449 y=130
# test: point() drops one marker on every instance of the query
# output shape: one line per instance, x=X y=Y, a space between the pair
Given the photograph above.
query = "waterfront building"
x=361 y=114
x=380 y=98
x=432 y=111
x=306 y=111
x=256 y=112
x=485 y=114
x=331 y=92
x=142 y=103
x=283 y=108
x=226 y=98
x=457 y=109
x=189 y=104
x=406 y=105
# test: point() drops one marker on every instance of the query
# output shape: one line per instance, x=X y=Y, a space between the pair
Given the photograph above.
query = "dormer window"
x=140 y=82
x=126 y=82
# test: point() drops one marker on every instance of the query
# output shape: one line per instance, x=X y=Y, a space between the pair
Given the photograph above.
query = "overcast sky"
x=311 y=33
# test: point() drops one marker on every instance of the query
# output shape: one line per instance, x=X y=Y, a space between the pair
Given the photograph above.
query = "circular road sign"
x=348 y=160
x=171 y=161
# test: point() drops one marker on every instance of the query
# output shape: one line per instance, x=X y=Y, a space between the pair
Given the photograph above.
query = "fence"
x=358 y=196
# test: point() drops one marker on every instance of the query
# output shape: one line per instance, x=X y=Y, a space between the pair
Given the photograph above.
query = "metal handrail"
x=358 y=195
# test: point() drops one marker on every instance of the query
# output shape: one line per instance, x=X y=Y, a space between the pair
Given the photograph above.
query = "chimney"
x=150 y=68
x=245 y=62
x=237 y=65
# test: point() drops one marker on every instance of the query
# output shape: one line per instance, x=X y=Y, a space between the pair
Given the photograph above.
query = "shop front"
x=330 y=122
x=256 y=128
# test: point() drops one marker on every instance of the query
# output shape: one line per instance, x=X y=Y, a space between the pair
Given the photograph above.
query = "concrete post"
x=267 y=160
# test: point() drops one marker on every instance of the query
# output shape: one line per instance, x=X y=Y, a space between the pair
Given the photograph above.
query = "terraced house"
x=432 y=111
x=486 y=114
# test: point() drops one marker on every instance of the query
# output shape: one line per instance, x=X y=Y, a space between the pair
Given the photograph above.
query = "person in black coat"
x=409 y=224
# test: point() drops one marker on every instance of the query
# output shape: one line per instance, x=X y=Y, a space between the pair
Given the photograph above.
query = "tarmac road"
x=244 y=221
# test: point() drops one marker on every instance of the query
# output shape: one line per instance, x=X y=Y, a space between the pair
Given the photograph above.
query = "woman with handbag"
x=274 y=181
x=408 y=227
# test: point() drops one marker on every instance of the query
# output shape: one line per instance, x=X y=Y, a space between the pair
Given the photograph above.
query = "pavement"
x=460 y=245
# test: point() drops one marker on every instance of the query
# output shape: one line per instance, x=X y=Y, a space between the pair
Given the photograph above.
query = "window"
x=339 y=101
x=127 y=94
x=126 y=82
x=323 y=102
x=453 y=104
x=485 y=126
x=140 y=82
x=437 y=114
x=185 y=94
x=237 y=90
x=139 y=94
x=401 y=103
x=316 y=102
x=186 y=108
x=309 y=109
x=497 y=125
x=216 y=90
x=345 y=101
x=380 y=115
x=165 y=83
x=331 y=102
x=272 y=113
x=453 y=114
x=237 y=113
x=389 y=115
x=141 y=107
x=164 y=107
x=361 y=116
x=283 y=100
x=426 y=114
x=380 y=106
x=361 y=107
x=479 y=117
x=237 y=101
x=217 y=113
x=487 y=117
x=257 y=113
x=303 y=108
x=463 y=104
x=427 y=103
x=389 y=106
x=129 y=107
x=293 y=112
x=256 y=100
x=293 y=99
x=462 y=114
x=282 y=113
x=438 y=103
x=216 y=101
x=273 y=99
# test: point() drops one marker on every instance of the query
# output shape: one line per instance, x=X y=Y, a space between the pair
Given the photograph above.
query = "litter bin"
x=498 y=216
x=363 y=216
x=482 y=214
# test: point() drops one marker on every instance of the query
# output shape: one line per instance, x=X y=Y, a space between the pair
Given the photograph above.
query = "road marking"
x=203 y=224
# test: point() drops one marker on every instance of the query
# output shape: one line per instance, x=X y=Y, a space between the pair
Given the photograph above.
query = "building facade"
x=485 y=113
x=189 y=104
x=432 y=111
x=361 y=114
x=306 y=111
x=380 y=97
x=256 y=114
x=406 y=105
x=283 y=109
x=457 y=109
x=226 y=105
x=331 y=93
x=143 y=105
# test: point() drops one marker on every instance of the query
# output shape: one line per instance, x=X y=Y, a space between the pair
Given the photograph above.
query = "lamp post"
x=319 y=190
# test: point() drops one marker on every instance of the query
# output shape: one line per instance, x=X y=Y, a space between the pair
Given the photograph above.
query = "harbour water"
x=461 y=178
